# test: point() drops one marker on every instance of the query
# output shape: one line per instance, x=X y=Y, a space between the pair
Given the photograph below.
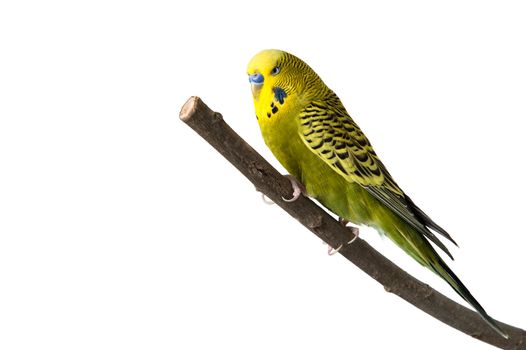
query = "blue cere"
x=256 y=78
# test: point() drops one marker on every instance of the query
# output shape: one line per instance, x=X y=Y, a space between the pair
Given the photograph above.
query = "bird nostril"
x=256 y=78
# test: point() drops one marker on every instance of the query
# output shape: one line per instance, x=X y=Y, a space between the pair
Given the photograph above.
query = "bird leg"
x=343 y=221
x=354 y=230
x=297 y=188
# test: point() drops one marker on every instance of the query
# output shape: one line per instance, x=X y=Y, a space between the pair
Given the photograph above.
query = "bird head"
x=271 y=69
x=265 y=70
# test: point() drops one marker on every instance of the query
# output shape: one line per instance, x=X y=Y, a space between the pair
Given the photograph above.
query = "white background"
x=121 y=229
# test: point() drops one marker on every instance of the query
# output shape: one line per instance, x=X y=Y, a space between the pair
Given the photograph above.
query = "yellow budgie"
x=309 y=131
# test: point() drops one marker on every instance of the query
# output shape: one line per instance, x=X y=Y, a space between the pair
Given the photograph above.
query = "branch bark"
x=211 y=126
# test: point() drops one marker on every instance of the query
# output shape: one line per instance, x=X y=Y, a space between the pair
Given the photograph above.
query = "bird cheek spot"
x=279 y=94
x=274 y=108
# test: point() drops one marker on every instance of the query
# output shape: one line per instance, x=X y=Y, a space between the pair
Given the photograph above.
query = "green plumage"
x=312 y=135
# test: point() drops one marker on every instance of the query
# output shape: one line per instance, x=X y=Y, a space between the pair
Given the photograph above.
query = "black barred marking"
x=343 y=156
x=376 y=171
x=359 y=167
x=317 y=146
x=362 y=157
x=340 y=166
x=315 y=114
x=309 y=133
x=340 y=145
x=362 y=142
x=314 y=107
x=319 y=105
x=327 y=139
x=325 y=151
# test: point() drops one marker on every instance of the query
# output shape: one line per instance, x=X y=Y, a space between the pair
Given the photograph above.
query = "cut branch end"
x=189 y=108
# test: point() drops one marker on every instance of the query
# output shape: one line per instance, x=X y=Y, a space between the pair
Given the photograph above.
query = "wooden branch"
x=211 y=126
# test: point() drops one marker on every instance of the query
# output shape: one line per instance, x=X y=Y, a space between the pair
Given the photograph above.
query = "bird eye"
x=275 y=70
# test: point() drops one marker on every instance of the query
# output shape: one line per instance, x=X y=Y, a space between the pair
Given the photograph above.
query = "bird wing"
x=328 y=131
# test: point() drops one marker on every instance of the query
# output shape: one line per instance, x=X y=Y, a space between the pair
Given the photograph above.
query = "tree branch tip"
x=196 y=111
x=189 y=108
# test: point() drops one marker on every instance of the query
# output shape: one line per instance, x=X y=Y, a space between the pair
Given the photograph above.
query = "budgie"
x=308 y=130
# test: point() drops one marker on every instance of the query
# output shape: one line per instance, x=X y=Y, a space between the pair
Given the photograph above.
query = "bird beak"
x=255 y=90
x=256 y=82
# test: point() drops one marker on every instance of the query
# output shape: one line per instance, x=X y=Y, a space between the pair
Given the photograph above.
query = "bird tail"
x=441 y=269
x=416 y=245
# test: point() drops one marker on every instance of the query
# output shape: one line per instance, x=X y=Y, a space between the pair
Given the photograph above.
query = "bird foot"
x=354 y=230
x=297 y=189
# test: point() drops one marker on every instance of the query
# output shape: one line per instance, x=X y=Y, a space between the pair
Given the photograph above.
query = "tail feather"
x=418 y=246
x=428 y=221
x=445 y=272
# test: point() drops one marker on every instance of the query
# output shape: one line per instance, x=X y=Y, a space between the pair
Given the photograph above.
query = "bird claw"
x=331 y=251
x=297 y=189
x=354 y=230
x=266 y=200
